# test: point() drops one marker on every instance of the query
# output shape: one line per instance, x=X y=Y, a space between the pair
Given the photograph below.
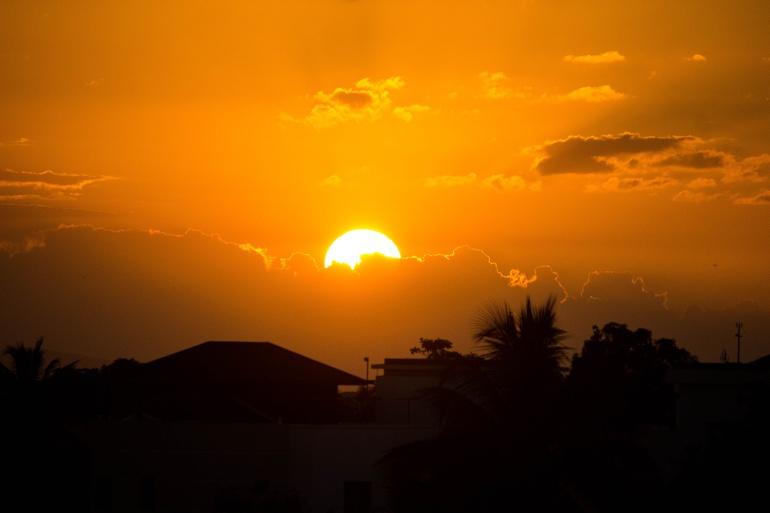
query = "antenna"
x=738 y=337
x=366 y=359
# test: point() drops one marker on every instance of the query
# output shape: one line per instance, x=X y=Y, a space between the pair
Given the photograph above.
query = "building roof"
x=247 y=361
x=413 y=366
x=409 y=363
x=762 y=363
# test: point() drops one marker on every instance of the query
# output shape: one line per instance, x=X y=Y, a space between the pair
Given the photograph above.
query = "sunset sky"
x=172 y=172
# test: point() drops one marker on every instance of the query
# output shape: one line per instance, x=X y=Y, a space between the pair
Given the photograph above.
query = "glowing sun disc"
x=350 y=246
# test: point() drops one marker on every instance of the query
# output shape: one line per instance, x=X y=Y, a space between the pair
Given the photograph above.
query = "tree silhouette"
x=619 y=377
x=38 y=395
x=493 y=452
x=435 y=349
x=521 y=366
x=28 y=364
x=529 y=343
x=35 y=388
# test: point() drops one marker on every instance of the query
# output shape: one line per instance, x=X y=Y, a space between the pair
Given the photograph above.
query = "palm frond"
x=495 y=329
x=28 y=363
x=53 y=366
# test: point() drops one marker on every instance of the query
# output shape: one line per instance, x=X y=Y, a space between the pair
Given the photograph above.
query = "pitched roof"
x=247 y=361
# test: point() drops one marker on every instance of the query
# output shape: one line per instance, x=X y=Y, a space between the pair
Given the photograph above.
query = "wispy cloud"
x=689 y=196
x=760 y=198
x=26 y=185
x=505 y=182
x=497 y=85
x=600 y=58
x=498 y=181
x=407 y=112
x=331 y=181
x=696 y=57
x=632 y=184
x=592 y=94
x=450 y=180
x=20 y=141
x=702 y=183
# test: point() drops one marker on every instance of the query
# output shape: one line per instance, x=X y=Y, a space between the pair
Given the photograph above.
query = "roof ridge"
x=271 y=347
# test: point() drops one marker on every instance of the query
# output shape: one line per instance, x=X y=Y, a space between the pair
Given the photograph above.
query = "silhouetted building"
x=712 y=396
x=402 y=391
x=240 y=426
x=242 y=382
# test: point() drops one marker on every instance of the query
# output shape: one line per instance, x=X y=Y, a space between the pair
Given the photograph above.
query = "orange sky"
x=625 y=145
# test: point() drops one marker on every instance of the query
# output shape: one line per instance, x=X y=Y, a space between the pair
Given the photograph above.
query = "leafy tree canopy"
x=435 y=348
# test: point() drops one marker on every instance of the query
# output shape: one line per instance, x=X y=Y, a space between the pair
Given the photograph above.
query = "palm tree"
x=525 y=346
x=28 y=364
x=498 y=409
x=33 y=388
x=517 y=375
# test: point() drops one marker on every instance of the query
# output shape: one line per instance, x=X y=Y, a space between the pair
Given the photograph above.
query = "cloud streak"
x=610 y=57
x=592 y=94
x=498 y=181
x=761 y=198
x=44 y=185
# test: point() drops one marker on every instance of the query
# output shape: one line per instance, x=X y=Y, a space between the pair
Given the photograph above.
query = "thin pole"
x=738 y=337
x=366 y=359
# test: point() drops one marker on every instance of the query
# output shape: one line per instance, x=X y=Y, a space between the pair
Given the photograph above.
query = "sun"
x=349 y=247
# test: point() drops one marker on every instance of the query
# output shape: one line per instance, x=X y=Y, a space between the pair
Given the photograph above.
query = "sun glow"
x=350 y=246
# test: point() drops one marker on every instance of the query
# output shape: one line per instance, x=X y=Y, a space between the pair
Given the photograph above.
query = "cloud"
x=702 y=183
x=21 y=223
x=760 y=198
x=109 y=293
x=26 y=185
x=495 y=85
x=754 y=169
x=20 y=141
x=601 y=58
x=688 y=196
x=407 y=113
x=590 y=154
x=367 y=100
x=696 y=159
x=592 y=94
x=618 y=287
x=143 y=294
x=652 y=163
x=696 y=57
x=498 y=181
x=632 y=184
x=331 y=181
x=450 y=180
x=505 y=182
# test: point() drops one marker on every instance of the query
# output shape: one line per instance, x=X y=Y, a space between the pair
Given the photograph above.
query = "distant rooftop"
x=756 y=371
x=406 y=361
x=248 y=361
